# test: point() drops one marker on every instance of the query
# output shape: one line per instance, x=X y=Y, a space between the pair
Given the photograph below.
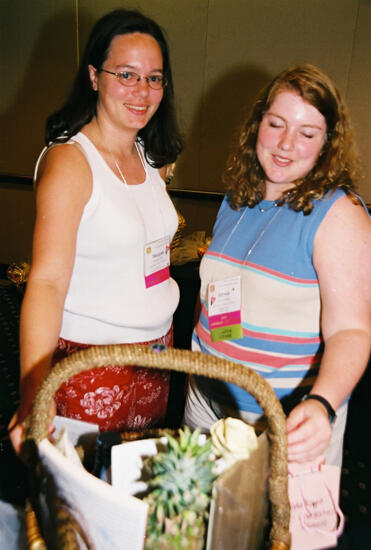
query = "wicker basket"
x=193 y=363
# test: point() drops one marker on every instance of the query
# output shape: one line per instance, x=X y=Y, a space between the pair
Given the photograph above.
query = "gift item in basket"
x=102 y=453
x=179 y=480
x=233 y=439
x=238 y=513
x=79 y=511
x=90 y=510
x=180 y=476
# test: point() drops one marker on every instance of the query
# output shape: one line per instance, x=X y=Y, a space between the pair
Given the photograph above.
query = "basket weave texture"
x=196 y=363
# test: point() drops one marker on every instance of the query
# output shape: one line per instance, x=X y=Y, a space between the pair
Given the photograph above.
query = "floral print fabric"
x=117 y=398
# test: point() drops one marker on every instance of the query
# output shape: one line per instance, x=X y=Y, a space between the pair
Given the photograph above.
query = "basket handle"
x=196 y=363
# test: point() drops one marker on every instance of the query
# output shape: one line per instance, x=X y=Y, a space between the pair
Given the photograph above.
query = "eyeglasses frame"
x=146 y=78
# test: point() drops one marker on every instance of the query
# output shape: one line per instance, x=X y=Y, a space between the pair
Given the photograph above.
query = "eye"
x=157 y=79
x=127 y=76
x=307 y=134
x=273 y=121
x=275 y=124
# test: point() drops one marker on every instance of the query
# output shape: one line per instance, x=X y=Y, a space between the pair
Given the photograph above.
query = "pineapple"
x=180 y=480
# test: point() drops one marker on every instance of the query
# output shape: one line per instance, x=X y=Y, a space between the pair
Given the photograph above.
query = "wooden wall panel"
x=359 y=92
x=37 y=63
x=222 y=54
x=17 y=213
x=248 y=44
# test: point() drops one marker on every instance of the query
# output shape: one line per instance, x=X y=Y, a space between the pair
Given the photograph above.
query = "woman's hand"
x=342 y=261
x=18 y=425
x=17 y=431
x=308 y=431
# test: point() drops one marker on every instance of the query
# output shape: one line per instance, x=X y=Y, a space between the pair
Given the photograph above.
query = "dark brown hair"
x=160 y=137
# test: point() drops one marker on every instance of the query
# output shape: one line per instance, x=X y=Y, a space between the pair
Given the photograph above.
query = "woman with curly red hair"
x=285 y=282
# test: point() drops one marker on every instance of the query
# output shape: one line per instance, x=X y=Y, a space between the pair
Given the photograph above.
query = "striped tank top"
x=271 y=249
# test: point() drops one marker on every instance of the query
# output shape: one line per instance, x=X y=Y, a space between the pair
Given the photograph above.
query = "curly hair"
x=161 y=136
x=337 y=165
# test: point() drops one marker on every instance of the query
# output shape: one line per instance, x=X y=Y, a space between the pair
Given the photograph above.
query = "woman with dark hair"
x=161 y=140
x=285 y=283
x=100 y=267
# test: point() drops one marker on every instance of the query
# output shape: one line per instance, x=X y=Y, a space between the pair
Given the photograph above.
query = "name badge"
x=157 y=261
x=224 y=309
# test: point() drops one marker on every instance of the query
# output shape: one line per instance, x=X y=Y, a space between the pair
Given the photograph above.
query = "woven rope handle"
x=192 y=363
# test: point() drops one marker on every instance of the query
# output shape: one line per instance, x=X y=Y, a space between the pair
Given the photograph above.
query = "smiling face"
x=290 y=139
x=124 y=107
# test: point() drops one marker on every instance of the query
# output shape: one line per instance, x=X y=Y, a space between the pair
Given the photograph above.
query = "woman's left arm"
x=342 y=260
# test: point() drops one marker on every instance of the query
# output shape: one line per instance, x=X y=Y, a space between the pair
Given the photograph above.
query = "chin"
x=279 y=181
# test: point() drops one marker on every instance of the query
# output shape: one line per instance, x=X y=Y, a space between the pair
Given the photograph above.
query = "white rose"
x=233 y=439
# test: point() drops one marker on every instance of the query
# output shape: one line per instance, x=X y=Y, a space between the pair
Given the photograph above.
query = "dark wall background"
x=222 y=54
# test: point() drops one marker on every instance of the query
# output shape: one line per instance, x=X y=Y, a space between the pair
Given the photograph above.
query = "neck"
x=121 y=145
x=274 y=191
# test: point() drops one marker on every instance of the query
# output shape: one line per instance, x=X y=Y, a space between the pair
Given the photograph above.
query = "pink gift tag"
x=316 y=519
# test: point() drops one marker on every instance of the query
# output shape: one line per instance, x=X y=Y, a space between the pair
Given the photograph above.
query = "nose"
x=142 y=86
x=287 y=140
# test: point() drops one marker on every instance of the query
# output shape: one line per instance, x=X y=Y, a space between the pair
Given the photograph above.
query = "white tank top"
x=107 y=300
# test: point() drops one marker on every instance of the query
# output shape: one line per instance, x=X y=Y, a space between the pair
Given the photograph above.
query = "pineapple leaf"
x=180 y=480
x=173 y=444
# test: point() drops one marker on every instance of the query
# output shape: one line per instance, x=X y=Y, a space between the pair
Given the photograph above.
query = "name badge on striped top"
x=224 y=309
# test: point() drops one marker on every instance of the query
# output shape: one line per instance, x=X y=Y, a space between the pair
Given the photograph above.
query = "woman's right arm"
x=63 y=188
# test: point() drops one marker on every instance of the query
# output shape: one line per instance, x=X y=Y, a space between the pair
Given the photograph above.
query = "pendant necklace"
x=127 y=186
x=156 y=245
x=114 y=158
x=261 y=234
x=119 y=169
x=155 y=197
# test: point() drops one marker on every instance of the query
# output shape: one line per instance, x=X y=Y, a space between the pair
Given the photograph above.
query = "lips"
x=282 y=162
x=137 y=109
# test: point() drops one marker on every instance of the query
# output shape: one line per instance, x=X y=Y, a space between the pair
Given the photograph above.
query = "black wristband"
x=330 y=411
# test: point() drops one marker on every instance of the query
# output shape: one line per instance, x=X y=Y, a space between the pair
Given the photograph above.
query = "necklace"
x=274 y=205
x=119 y=169
x=260 y=236
x=114 y=158
x=156 y=199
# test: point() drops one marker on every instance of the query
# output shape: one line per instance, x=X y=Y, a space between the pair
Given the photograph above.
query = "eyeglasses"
x=128 y=78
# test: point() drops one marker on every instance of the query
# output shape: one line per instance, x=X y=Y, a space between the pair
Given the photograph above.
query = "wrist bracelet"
x=330 y=411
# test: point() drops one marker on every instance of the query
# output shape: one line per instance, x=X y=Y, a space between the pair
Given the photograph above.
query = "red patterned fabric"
x=116 y=398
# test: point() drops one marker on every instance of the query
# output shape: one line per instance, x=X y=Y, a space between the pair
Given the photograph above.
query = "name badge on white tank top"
x=157 y=261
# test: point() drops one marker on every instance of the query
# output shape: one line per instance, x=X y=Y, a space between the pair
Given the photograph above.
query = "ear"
x=93 y=75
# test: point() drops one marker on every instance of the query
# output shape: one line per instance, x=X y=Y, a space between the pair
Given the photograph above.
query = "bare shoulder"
x=342 y=244
x=342 y=261
x=345 y=220
x=63 y=188
x=65 y=169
